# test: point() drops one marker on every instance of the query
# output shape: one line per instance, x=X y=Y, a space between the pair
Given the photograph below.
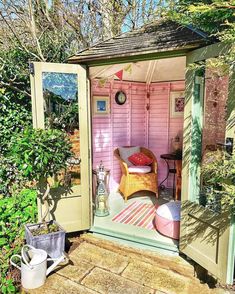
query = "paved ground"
x=99 y=266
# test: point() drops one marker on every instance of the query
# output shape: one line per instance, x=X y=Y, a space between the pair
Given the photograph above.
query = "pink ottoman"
x=167 y=219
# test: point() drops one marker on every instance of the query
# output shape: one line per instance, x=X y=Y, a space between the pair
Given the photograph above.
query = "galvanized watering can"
x=34 y=266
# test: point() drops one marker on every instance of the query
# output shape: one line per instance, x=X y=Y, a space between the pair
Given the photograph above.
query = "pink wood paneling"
x=132 y=124
x=158 y=123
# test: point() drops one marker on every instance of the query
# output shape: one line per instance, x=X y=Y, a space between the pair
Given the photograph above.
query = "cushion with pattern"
x=140 y=159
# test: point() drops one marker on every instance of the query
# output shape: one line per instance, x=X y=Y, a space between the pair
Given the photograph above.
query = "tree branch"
x=12 y=87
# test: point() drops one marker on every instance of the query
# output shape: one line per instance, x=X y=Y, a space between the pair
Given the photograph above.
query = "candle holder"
x=101 y=201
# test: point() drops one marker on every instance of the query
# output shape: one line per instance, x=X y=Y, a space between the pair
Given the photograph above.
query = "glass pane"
x=214 y=141
x=60 y=93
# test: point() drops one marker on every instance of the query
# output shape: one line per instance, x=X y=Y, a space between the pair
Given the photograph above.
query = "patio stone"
x=75 y=272
x=100 y=257
x=56 y=284
x=161 y=279
x=105 y=282
x=95 y=269
x=175 y=263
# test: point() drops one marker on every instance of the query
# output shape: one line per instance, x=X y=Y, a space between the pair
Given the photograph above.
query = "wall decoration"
x=101 y=105
x=120 y=97
x=177 y=104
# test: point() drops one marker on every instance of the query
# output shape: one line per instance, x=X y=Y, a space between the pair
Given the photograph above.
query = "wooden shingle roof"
x=158 y=36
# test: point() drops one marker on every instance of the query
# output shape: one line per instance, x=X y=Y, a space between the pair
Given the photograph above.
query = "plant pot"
x=53 y=243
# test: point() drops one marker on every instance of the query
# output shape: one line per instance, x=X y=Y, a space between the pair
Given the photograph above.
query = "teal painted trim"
x=231 y=252
x=144 y=241
x=130 y=58
x=210 y=51
x=196 y=136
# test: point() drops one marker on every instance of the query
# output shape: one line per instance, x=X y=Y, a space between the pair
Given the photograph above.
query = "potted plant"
x=40 y=155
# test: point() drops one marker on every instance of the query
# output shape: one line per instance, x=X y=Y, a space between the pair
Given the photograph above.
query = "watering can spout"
x=55 y=263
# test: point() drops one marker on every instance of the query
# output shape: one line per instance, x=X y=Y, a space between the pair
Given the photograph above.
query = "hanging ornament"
x=119 y=74
x=128 y=68
x=102 y=82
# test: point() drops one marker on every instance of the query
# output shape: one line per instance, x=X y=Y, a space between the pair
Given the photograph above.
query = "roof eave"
x=135 y=55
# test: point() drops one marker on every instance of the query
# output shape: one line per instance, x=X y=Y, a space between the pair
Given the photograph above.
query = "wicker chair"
x=134 y=182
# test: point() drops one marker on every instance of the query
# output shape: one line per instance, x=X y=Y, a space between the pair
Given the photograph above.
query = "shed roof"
x=158 y=36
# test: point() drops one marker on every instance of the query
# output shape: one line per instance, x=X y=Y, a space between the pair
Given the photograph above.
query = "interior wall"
x=144 y=120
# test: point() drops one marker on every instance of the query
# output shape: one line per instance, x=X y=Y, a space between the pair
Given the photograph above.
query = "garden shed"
x=154 y=88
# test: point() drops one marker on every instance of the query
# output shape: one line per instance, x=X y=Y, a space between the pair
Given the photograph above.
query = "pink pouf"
x=167 y=219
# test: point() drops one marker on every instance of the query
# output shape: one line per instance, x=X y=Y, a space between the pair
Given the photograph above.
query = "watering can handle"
x=23 y=255
x=12 y=262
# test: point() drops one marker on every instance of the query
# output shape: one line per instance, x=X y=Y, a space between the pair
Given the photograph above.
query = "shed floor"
x=139 y=236
x=100 y=266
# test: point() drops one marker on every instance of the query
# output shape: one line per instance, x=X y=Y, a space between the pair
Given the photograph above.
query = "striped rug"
x=137 y=214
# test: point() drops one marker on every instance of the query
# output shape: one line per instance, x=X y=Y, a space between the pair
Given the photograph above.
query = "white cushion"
x=170 y=210
x=125 y=152
x=139 y=169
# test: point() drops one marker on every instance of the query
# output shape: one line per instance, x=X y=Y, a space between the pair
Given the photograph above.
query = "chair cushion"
x=140 y=169
x=125 y=152
x=140 y=159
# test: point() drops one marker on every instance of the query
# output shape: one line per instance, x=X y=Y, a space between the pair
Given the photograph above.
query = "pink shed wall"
x=132 y=124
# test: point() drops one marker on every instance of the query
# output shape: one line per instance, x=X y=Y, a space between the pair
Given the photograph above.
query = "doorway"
x=147 y=119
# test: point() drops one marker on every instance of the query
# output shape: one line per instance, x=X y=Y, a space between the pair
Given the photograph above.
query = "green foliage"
x=11 y=178
x=40 y=153
x=218 y=173
x=14 y=74
x=215 y=17
x=15 y=211
x=13 y=119
x=208 y=15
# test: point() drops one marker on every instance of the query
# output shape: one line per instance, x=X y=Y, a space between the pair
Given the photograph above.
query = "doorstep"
x=136 y=241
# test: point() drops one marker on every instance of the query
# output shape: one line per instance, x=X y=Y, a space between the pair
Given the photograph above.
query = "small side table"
x=167 y=158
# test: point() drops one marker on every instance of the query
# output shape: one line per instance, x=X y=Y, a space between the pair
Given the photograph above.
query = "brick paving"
x=99 y=266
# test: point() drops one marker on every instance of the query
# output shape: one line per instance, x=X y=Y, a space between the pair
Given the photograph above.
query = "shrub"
x=218 y=173
x=15 y=211
x=39 y=154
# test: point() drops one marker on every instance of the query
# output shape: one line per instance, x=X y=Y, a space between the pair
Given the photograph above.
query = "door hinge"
x=31 y=68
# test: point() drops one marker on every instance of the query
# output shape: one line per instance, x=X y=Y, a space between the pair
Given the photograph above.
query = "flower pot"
x=53 y=243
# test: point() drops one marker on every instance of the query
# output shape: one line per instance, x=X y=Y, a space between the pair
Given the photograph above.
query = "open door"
x=207 y=234
x=60 y=100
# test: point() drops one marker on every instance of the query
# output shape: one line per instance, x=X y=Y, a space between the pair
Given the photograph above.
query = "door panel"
x=206 y=232
x=59 y=101
x=204 y=238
